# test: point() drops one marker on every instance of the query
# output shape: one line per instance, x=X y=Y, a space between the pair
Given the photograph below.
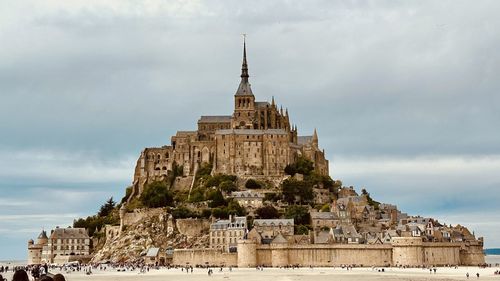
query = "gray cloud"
x=404 y=94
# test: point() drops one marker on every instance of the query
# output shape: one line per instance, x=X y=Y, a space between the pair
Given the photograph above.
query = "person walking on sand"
x=477 y=274
x=467 y=275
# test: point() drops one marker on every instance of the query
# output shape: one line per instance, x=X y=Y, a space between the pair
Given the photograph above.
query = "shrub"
x=228 y=186
x=252 y=184
x=217 y=199
x=220 y=213
x=299 y=214
x=302 y=166
x=183 y=212
x=301 y=230
x=128 y=192
x=271 y=196
x=267 y=212
x=156 y=195
x=234 y=208
x=325 y=208
x=297 y=191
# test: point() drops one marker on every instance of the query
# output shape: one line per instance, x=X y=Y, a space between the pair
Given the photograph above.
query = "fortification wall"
x=141 y=214
x=264 y=255
x=247 y=253
x=204 y=256
x=438 y=254
x=323 y=255
x=472 y=254
x=192 y=227
x=317 y=255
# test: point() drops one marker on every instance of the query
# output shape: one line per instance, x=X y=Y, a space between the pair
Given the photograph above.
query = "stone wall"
x=323 y=255
x=405 y=251
x=204 y=257
x=472 y=254
x=439 y=254
x=141 y=214
x=192 y=227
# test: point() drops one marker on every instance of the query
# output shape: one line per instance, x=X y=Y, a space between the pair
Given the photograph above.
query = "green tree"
x=234 y=208
x=325 y=208
x=252 y=184
x=299 y=214
x=297 y=191
x=301 y=230
x=227 y=186
x=128 y=192
x=216 y=199
x=267 y=212
x=183 y=212
x=107 y=208
x=156 y=194
x=302 y=166
x=220 y=213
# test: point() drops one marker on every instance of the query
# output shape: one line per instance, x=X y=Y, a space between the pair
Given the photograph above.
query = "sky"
x=404 y=95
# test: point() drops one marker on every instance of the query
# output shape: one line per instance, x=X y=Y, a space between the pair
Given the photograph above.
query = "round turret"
x=42 y=238
x=407 y=251
x=247 y=253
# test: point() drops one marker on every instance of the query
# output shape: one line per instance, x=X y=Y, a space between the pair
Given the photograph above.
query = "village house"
x=224 y=234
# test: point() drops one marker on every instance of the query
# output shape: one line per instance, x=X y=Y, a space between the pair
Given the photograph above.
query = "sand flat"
x=277 y=274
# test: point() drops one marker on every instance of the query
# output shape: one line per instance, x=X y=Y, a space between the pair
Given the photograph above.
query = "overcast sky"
x=404 y=95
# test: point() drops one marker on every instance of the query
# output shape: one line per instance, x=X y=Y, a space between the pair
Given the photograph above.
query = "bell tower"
x=244 y=100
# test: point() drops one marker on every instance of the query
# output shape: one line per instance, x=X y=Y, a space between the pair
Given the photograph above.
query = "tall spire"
x=244 y=88
x=315 y=138
x=244 y=66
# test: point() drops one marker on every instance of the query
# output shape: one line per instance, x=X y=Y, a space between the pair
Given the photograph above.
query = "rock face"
x=155 y=228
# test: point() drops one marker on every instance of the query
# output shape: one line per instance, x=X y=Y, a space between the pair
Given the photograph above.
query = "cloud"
x=64 y=166
x=404 y=94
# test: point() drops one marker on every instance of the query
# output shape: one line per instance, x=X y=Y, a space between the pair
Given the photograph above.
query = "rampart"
x=130 y=218
x=192 y=227
x=404 y=251
x=204 y=257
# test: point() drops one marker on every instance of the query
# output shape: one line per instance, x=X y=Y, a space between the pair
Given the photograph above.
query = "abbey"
x=257 y=140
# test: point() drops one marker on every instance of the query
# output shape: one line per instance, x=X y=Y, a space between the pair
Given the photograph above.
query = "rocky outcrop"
x=156 y=228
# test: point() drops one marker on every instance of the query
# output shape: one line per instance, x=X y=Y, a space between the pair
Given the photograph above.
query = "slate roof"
x=239 y=222
x=152 y=252
x=323 y=216
x=261 y=222
x=251 y=132
x=43 y=235
x=279 y=239
x=246 y=194
x=215 y=119
x=69 y=233
x=260 y=104
x=304 y=139
x=244 y=89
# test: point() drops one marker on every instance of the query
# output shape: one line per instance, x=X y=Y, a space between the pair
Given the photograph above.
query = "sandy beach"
x=286 y=274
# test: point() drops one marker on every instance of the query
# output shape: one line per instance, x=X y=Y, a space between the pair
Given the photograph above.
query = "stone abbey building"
x=257 y=140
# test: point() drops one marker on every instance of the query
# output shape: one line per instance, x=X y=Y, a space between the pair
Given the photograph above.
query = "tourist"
x=20 y=275
x=1 y=277
x=477 y=274
x=59 y=277
x=467 y=275
x=46 y=278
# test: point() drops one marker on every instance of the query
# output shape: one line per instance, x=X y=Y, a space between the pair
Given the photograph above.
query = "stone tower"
x=244 y=100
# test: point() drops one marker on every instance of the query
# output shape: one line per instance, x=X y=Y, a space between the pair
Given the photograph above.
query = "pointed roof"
x=43 y=235
x=315 y=136
x=244 y=88
x=279 y=239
